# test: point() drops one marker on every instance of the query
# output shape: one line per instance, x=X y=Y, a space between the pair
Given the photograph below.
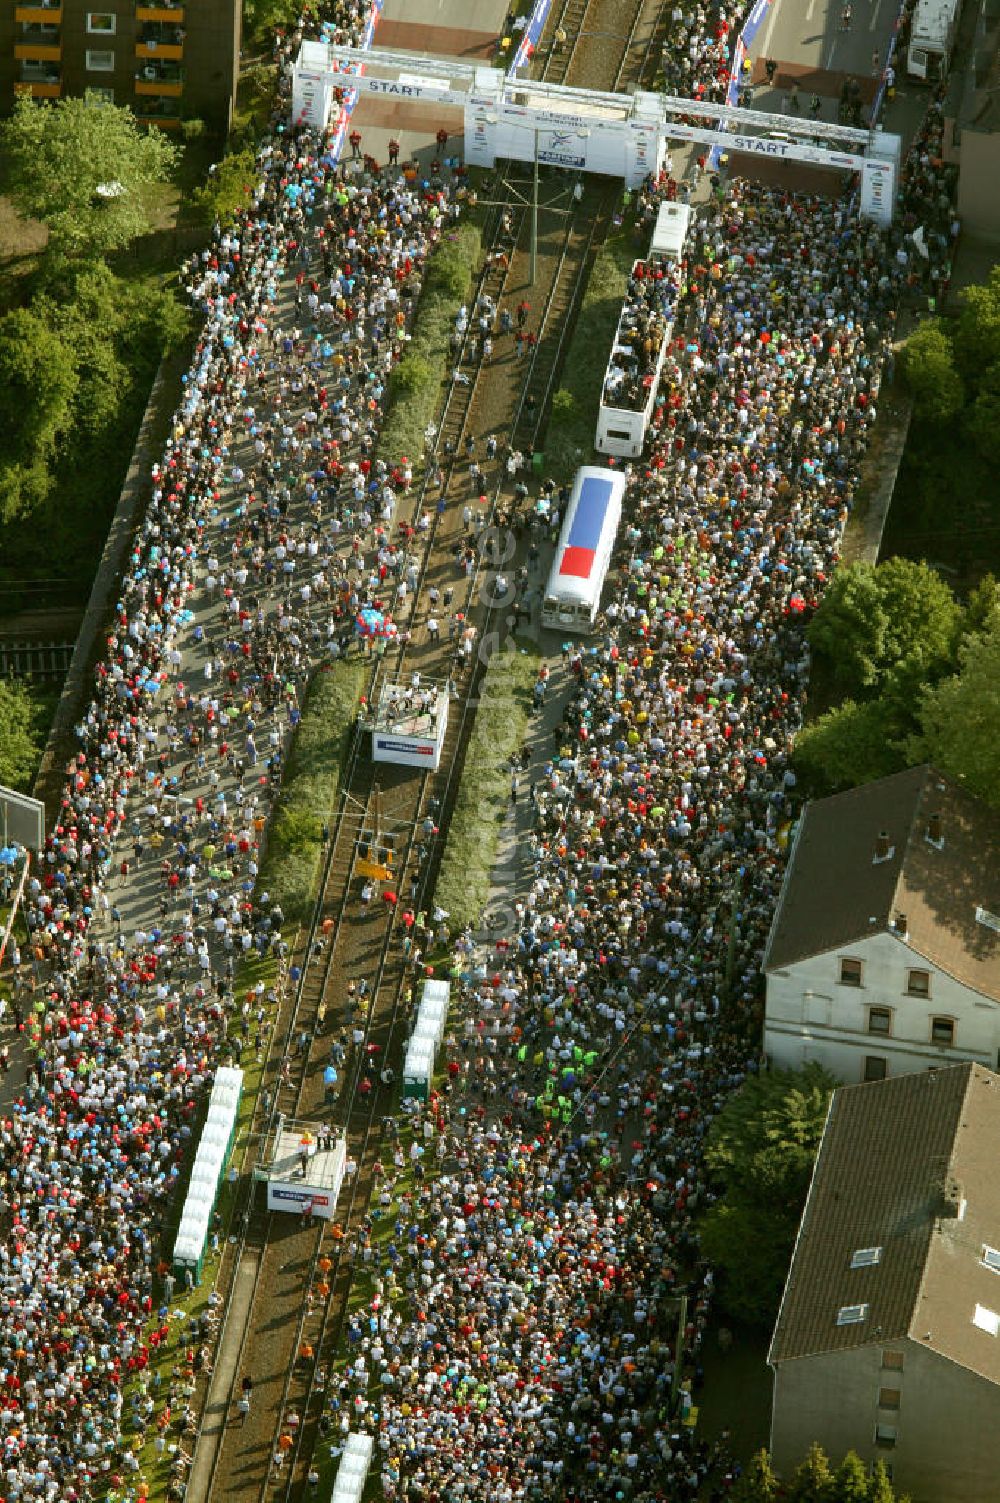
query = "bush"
x=415 y=384
x=310 y=788
x=463 y=884
x=563 y=407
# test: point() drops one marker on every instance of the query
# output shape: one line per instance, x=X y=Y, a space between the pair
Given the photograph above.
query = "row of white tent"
x=209 y=1166
x=428 y=1031
x=352 y=1473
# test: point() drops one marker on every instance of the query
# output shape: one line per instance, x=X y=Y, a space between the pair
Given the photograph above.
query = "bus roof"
x=670 y=232
x=594 y=491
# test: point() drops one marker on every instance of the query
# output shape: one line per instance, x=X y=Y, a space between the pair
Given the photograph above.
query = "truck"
x=932 y=36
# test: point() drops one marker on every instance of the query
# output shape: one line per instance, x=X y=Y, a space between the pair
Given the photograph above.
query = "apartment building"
x=166 y=61
x=888 y=1338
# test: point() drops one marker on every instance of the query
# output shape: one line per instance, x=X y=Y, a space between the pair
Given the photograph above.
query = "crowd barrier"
x=352 y=1473
x=206 y=1174
x=428 y=1032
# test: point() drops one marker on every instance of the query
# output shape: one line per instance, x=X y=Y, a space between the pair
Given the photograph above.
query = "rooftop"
x=914 y=854
x=903 y=1212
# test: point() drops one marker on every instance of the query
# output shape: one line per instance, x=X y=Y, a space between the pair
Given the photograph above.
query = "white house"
x=884 y=953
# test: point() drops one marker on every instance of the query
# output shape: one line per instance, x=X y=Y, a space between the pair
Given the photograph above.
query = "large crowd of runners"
x=522 y=1334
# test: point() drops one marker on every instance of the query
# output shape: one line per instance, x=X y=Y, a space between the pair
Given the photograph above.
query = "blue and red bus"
x=573 y=594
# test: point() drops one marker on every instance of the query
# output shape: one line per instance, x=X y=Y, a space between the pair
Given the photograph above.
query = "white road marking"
x=875 y=10
x=765 y=50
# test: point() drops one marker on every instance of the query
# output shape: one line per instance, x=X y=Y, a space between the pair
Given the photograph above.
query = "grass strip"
x=415 y=383
x=463 y=884
x=569 y=438
x=310 y=788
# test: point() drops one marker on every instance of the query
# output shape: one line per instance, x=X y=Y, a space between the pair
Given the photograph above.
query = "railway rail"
x=284 y=1260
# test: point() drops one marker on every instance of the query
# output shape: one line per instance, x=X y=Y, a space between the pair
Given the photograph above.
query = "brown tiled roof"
x=834 y=888
x=907 y=1165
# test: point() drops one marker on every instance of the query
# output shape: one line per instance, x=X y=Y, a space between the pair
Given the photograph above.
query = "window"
x=866 y=1257
x=991 y=1258
x=101 y=22
x=988 y=919
x=942 y=1030
x=987 y=1320
x=885 y=1435
x=892 y=1361
x=918 y=983
x=850 y=973
x=875 y=1068
x=880 y=1020
x=851 y=1315
x=100 y=62
x=888 y=1398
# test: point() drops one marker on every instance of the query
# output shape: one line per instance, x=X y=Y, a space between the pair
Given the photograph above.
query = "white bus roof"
x=670 y=232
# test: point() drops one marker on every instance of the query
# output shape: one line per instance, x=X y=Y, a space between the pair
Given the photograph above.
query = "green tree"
x=228 y=187
x=880 y=1489
x=814 y=1480
x=84 y=168
x=851 y=744
x=851 y=1484
x=982 y=419
x=981 y=604
x=38 y=381
x=23 y=719
x=757 y=1484
x=960 y=717
x=976 y=339
x=891 y=625
x=760 y=1153
x=927 y=365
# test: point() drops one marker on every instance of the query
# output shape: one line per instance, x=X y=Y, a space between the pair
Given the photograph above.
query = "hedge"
x=310 y=788
x=483 y=799
x=415 y=383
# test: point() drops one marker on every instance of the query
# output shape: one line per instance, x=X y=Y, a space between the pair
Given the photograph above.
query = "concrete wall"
x=809 y=1015
x=947 y=1443
x=978 y=200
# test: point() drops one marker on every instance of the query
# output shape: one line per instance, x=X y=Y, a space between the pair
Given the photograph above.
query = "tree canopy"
x=83 y=167
x=759 y=1153
x=890 y=625
x=23 y=717
x=927 y=365
x=960 y=717
x=851 y=744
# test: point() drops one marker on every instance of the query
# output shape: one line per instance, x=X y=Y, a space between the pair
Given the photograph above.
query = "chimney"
x=935 y=830
x=900 y=925
x=883 y=850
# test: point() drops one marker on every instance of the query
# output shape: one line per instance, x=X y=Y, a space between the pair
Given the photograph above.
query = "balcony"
x=165 y=79
x=161 y=112
x=39 y=81
x=39 y=52
x=39 y=44
x=161 y=40
x=38 y=15
x=167 y=15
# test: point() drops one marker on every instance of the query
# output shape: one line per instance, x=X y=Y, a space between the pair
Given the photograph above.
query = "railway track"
x=636 y=50
x=284 y=1261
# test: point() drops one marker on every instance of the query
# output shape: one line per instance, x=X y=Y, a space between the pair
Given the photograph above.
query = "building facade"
x=884 y=955
x=167 y=62
x=888 y=1338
